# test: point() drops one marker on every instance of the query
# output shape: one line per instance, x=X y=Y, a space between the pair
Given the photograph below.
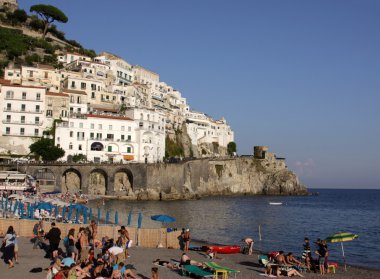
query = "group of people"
x=322 y=254
x=77 y=255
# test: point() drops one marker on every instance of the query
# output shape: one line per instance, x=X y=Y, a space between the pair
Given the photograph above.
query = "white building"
x=202 y=129
x=121 y=70
x=112 y=137
x=70 y=57
x=22 y=116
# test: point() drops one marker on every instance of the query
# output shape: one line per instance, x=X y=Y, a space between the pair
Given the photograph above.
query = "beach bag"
x=66 y=241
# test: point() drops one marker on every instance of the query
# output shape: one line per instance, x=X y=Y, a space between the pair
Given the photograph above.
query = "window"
x=8 y=130
x=23 y=95
x=129 y=137
x=71 y=146
x=92 y=126
x=73 y=84
x=38 y=96
x=81 y=125
x=122 y=137
x=100 y=126
x=36 y=120
x=92 y=95
x=93 y=86
x=36 y=132
x=109 y=148
x=46 y=75
x=110 y=127
x=23 y=107
x=37 y=108
x=99 y=136
x=71 y=99
x=129 y=150
x=123 y=128
x=129 y=129
x=8 y=118
x=71 y=134
x=79 y=147
x=78 y=100
x=83 y=85
x=22 y=119
x=110 y=136
x=49 y=113
x=91 y=135
x=71 y=124
x=9 y=95
x=22 y=131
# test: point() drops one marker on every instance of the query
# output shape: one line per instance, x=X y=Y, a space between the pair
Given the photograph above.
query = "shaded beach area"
x=141 y=263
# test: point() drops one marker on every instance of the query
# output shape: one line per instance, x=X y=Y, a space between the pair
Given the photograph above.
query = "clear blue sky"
x=300 y=76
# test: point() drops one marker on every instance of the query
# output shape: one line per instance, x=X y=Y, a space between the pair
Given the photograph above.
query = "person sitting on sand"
x=165 y=264
x=185 y=260
x=289 y=259
x=280 y=258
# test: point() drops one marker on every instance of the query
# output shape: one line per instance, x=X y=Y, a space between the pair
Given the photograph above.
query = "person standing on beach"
x=54 y=237
x=84 y=244
x=306 y=256
x=9 y=249
x=94 y=230
x=186 y=239
x=154 y=273
x=249 y=242
x=38 y=233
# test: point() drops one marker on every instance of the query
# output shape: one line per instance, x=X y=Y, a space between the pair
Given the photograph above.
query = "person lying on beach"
x=289 y=272
x=166 y=264
x=185 y=260
x=120 y=272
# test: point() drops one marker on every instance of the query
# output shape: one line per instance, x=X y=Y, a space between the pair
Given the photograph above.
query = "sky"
x=302 y=77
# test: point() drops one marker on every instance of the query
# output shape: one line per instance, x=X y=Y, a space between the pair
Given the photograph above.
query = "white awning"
x=17 y=176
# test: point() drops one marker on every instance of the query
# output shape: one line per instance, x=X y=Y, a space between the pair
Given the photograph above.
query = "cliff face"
x=238 y=176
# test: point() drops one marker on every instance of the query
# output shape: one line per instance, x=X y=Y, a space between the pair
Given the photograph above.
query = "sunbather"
x=289 y=259
x=165 y=264
x=185 y=259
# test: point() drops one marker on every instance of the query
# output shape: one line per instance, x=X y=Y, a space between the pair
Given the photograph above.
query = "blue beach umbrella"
x=139 y=221
x=69 y=213
x=77 y=216
x=107 y=216
x=56 y=211
x=85 y=215
x=98 y=215
x=22 y=210
x=116 y=217
x=163 y=218
x=2 y=202
x=6 y=205
x=15 y=206
x=63 y=212
x=129 y=218
x=90 y=214
x=10 y=206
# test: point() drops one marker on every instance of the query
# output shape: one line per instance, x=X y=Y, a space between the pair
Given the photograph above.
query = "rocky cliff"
x=208 y=177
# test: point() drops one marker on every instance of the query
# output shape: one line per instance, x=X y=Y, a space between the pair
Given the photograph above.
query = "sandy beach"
x=141 y=263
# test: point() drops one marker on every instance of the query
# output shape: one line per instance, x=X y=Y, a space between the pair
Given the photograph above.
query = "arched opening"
x=98 y=182
x=123 y=181
x=97 y=146
x=71 y=181
x=45 y=180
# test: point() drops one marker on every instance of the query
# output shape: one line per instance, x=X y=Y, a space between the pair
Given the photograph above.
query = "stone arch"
x=123 y=181
x=97 y=146
x=98 y=182
x=45 y=179
x=71 y=181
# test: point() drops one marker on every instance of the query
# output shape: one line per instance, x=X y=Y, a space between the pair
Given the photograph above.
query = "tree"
x=231 y=148
x=18 y=16
x=46 y=149
x=79 y=158
x=49 y=14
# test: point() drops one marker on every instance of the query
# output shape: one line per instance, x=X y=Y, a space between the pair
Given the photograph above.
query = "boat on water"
x=275 y=203
x=230 y=249
x=16 y=181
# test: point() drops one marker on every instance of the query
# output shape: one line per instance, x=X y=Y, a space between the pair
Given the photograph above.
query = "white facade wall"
x=70 y=57
x=22 y=116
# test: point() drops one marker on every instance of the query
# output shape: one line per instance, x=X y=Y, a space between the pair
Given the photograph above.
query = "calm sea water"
x=227 y=220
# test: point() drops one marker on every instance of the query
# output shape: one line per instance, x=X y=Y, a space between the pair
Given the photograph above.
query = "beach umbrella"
x=85 y=215
x=116 y=218
x=6 y=205
x=163 y=218
x=70 y=211
x=10 y=206
x=2 y=202
x=139 y=221
x=90 y=214
x=63 y=212
x=98 y=215
x=77 y=216
x=21 y=210
x=342 y=237
x=56 y=211
x=107 y=216
x=129 y=218
x=15 y=206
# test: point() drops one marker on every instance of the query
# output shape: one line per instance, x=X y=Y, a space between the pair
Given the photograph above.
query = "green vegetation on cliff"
x=173 y=149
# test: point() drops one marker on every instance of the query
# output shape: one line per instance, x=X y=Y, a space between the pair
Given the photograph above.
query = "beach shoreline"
x=141 y=263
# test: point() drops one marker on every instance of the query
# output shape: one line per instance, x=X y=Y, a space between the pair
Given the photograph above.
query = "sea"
x=226 y=220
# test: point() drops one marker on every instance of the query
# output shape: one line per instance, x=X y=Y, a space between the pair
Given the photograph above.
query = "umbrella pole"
x=344 y=259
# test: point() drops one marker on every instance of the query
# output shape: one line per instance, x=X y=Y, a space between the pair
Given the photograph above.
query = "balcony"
x=23 y=99
x=22 y=111
x=20 y=135
x=35 y=123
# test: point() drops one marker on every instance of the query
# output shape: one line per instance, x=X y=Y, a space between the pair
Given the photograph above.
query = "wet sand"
x=141 y=264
